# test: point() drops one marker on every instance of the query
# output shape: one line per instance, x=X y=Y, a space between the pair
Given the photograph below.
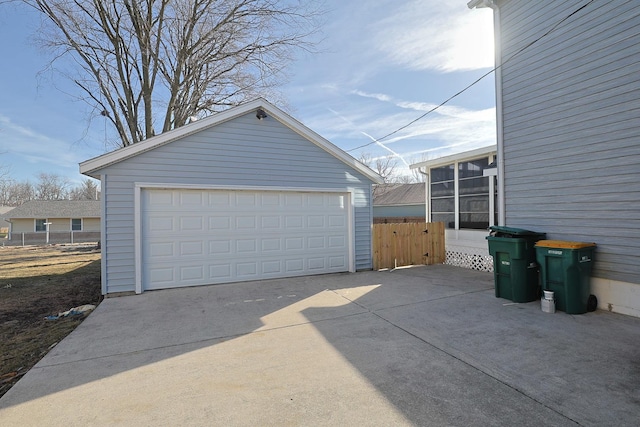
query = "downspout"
x=499 y=116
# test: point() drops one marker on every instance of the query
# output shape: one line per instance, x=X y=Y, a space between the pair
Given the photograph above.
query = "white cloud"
x=449 y=129
x=26 y=149
x=437 y=35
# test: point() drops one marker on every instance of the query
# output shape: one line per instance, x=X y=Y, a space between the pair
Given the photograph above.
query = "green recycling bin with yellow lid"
x=565 y=269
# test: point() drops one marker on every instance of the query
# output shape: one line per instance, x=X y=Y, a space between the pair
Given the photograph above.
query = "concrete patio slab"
x=421 y=346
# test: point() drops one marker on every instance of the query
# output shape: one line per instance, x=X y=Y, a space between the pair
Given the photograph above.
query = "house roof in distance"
x=399 y=194
x=57 y=209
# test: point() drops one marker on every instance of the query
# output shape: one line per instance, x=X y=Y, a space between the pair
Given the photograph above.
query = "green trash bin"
x=515 y=271
x=565 y=269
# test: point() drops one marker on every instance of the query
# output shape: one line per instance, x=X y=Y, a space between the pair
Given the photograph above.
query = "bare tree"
x=384 y=166
x=14 y=193
x=51 y=187
x=88 y=190
x=161 y=62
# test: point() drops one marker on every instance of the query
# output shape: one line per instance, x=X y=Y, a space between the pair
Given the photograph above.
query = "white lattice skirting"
x=465 y=257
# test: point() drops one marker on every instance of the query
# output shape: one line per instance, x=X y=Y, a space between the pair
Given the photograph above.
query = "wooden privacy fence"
x=397 y=245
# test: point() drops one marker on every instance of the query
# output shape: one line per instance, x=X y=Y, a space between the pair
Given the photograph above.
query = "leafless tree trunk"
x=158 y=62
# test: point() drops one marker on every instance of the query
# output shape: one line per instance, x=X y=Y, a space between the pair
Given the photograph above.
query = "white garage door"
x=197 y=237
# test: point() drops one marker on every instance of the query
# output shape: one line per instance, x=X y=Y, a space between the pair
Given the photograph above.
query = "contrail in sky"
x=350 y=123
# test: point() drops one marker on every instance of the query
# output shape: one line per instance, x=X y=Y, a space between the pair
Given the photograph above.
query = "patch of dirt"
x=36 y=282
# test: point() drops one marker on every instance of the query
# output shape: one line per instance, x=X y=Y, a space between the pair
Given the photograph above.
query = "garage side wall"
x=243 y=152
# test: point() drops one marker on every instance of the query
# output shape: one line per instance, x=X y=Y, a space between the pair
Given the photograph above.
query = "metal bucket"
x=548 y=302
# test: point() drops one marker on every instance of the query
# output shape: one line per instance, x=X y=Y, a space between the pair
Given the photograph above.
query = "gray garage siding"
x=571 y=128
x=240 y=152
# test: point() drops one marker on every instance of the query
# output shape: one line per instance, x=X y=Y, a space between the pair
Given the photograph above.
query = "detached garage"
x=234 y=197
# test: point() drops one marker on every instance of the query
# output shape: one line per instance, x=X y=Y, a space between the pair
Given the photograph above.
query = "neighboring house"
x=568 y=97
x=245 y=194
x=461 y=192
x=54 y=221
x=398 y=203
x=4 y=225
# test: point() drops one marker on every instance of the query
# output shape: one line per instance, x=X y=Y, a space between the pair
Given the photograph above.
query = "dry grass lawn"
x=35 y=282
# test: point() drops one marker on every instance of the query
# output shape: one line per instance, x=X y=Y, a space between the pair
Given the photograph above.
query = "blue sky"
x=380 y=67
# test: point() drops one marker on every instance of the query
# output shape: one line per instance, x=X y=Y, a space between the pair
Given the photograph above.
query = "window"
x=460 y=195
x=41 y=225
x=76 y=224
x=443 y=195
x=473 y=194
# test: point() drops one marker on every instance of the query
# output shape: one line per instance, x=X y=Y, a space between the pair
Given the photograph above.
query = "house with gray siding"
x=568 y=116
x=248 y=193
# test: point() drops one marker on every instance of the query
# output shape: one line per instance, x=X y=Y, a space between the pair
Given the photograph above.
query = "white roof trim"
x=91 y=166
x=466 y=155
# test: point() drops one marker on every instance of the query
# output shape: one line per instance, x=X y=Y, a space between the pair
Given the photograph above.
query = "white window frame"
x=71 y=224
x=35 y=224
x=456 y=182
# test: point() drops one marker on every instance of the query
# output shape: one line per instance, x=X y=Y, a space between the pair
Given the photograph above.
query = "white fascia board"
x=89 y=167
x=466 y=155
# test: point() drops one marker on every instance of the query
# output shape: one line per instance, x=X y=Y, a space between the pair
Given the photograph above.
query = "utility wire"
x=528 y=45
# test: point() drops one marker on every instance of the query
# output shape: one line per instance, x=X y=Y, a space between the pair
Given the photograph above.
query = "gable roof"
x=56 y=209
x=399 y=194
x=91 y=166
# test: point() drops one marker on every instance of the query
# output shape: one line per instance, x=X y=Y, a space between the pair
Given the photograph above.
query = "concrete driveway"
x=427 y=346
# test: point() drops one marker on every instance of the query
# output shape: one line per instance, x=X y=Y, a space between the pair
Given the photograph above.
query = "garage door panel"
x=270 y=223
x=270 y=245
x=162 y=249
x=246 y=270
x=191 y=223
x=191 y=248
x=192 y=237
x=219 y=272
x=294 y=265
x=337 y=262
x=220 y=222
x=246 y=246
x=191 y=272
x=161 y=198
x=219 y=247
x=316 y=263
x=315 y=242
x=293 y=221
x=337 y=241
x=294 y=243
x=190 y=199
x=271 y=267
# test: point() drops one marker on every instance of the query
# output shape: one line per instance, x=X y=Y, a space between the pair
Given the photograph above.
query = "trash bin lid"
x=514 y=231
x=562 y=244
